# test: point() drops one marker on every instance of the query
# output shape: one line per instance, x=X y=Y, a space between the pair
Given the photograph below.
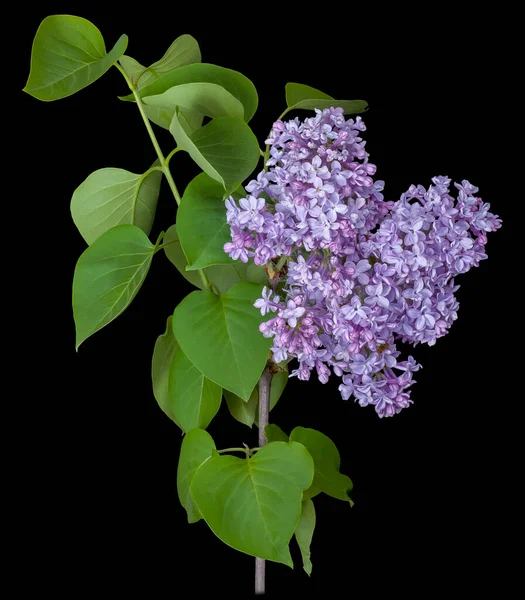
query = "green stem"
x=164 y=162
x=172 y=153
x=140 y=105
x=243 y=450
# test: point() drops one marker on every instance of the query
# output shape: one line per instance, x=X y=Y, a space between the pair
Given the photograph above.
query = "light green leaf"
x=195 y=400
x=201 y=98
x=163 y=354
x=197 y=447
x=184 y=51
x=68 y=54
x=274 y=433
x=225 y=149
x=222 y=276
x=306 y=97
x=201 y=224
x=305 y=532
x=108 y=276
x=111 y=197
x=237 y=84
x=327 y=461
x=220 y=335
x=254 y=504
x=247 y=412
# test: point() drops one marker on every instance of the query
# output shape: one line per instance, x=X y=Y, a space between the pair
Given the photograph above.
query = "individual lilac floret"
x=361 y=273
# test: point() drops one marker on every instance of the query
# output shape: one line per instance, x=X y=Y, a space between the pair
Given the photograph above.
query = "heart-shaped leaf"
x=163 y=354
x=223 y=277
x=220 y=335
x=226 y=149
x=327 y=461
x=108 y=276
x=254 y=504
x=68 y=54
x=197 y=447
x=111 y=197
x=308 y=98
x=194 y=399
x=274 y=433
x=305 y=532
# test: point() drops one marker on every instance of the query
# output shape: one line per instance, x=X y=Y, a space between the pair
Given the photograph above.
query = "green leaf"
x=201 y=98
x=195 y=400
x=237 y=84
x=108 y=276
x=304 y=533
x=311 y=492
x=308 y=98
x=254 y=504
x=326 y=457
x=274 y=433
x=197 y=447
x=163 y=354
x=184 y=51
x=220 y=335
x=242 y=411
x=110 y=197
x=222 y=276
x=225 y=149
x=68 y=54
x=247 y=412
x=201 y=224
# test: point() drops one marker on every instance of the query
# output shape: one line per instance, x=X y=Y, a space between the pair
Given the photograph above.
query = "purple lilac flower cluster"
x=358 y=272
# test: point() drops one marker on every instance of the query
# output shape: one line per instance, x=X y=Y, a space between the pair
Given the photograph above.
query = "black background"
x=431 y=485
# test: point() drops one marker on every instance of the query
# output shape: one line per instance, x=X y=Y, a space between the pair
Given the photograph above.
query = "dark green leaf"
x=299 y=96
x=304 y=533
x=326 y=457
x=163 y=354
x=274 y=433
x=254 y=505
x=110 y=197
x=194 y=399
x=225 y=149
x=68 y=54
x=197 y=447
x=107 y=277
x=220 y=335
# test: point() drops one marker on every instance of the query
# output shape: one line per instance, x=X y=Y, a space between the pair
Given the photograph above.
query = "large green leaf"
x=208 y=99
x=68 y=54
x=308 y=98
x=304 y=533
x=107 y=277
x=220 y=335
x=201 y=223
x=226 y=149
x=111 y=197
x=194 y=399
x=184 y=51
x=247 y=412
x=327 y=461
x=236 y=83
x=163 y=354
x=222 y=276
x=254 y=504
x=197 y=447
